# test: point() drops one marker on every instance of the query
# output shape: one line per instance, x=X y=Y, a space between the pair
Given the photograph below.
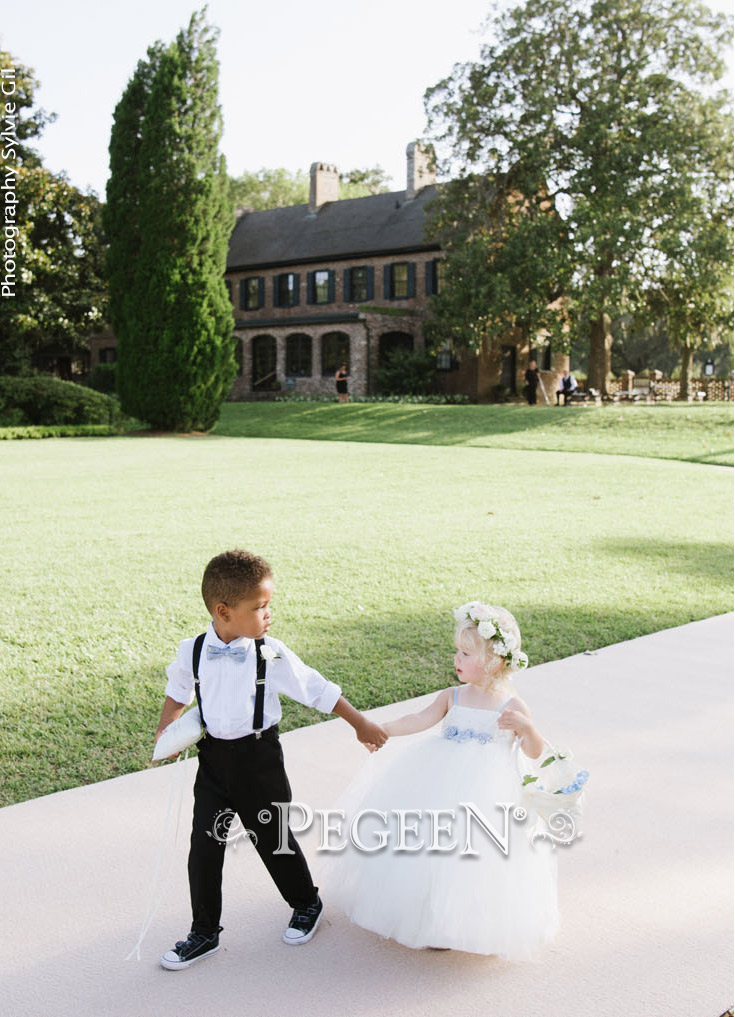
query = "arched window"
x=298 y=355
x=264 y=363
x=335 y=351
x=390 y=341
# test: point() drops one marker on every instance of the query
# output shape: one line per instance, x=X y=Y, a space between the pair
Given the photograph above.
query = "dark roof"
x=375 y=225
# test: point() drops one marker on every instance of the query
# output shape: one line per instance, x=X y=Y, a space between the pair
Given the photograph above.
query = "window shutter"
x=386 y=281
x=296 y=287
x=242 y=295
x=371 y=283
x=347 y=289
x=330 y=287
x=430 y=278
x=310 y=294
x=261 y=291
x=412 y=279
x=275 y=290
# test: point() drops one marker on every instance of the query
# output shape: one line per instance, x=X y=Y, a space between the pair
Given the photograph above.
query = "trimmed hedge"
x=62 y=431
x=443 y=398
x=45 y=400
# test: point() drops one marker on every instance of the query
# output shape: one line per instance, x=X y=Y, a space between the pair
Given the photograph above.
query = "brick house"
x=314 y=286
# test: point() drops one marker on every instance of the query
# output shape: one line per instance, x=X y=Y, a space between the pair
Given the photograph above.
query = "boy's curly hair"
x=231 y=576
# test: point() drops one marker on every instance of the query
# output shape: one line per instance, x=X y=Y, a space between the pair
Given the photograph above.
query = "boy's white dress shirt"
x=227 y=687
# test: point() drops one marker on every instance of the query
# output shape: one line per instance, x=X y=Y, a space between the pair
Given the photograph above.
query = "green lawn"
x=373 y=545
x=701 y=433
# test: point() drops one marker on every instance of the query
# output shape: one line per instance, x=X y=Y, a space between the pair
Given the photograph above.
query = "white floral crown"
x=505 y=644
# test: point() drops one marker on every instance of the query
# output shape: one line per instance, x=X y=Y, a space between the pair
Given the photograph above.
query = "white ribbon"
x=155 y=901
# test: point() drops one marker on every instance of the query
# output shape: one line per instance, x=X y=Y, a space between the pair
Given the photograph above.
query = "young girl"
x=423 y=888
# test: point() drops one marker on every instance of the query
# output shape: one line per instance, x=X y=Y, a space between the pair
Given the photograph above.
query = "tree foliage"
x=269 y=188
x=60 y=294
x=691 y=293
x=597 y=127
x=359 y=183
x=278 y=188
x=169 y=219
x=493 y=279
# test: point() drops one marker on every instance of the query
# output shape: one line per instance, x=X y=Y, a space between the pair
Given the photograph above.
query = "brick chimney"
x=419 y=169
x=323 y=185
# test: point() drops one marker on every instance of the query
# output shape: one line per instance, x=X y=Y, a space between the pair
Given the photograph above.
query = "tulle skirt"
x=487 y=895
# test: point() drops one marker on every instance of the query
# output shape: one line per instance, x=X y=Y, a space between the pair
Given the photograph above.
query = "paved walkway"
x=645 y=895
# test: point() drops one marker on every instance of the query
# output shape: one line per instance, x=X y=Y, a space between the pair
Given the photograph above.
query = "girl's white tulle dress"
x=489 y=902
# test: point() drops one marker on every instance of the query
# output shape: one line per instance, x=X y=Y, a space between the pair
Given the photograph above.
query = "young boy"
x=239 y=769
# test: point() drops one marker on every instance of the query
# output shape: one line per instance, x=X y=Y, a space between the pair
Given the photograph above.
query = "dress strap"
x=455 y=693
x=505 y=704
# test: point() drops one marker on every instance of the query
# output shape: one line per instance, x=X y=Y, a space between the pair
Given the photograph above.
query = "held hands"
x=371 y=735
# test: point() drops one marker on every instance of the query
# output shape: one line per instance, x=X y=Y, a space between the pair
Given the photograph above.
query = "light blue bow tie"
x=236 y=653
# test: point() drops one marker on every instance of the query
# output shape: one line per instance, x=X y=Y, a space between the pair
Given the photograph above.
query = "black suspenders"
x=259 y=689
x=195 y=656
x=259 y=683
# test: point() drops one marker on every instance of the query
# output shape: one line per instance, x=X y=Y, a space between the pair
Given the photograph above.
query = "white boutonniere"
x=268 y=653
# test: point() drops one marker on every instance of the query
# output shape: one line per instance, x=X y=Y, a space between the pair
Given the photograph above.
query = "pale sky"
x=300 y=80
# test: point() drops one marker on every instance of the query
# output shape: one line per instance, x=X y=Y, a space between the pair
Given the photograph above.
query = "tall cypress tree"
x=123 y=222
x=169 y=221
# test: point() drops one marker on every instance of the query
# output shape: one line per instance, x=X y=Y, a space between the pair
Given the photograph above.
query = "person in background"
x=532 y=380
x=568 y=385
x=341 y=378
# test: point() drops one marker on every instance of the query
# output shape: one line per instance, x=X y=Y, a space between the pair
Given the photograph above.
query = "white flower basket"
x=553 y=783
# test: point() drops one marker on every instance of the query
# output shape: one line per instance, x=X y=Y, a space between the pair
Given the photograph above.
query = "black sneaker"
x=303 y=924
x=192 y=949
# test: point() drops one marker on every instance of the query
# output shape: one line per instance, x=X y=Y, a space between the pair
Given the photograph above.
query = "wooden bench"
x=582 y=398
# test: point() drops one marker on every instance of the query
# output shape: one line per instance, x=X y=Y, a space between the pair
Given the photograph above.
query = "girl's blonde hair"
x=467 y=637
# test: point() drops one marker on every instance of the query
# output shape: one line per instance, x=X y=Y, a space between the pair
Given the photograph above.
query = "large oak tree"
x=590 y=142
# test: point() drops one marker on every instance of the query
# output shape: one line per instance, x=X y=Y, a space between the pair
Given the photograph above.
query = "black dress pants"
x=245 y=775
